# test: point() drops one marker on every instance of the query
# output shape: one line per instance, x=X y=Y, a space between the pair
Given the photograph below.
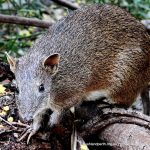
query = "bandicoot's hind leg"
x=128 y=75
x=146 y=100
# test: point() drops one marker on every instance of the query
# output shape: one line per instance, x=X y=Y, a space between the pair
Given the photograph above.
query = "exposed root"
x=112 y=116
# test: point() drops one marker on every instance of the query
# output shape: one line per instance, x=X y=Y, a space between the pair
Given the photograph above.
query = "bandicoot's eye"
x=41 y=88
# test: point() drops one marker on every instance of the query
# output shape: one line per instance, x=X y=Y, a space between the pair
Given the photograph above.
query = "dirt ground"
x=10 y=132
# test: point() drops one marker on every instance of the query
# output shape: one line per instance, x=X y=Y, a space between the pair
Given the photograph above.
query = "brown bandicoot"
x=96 y=51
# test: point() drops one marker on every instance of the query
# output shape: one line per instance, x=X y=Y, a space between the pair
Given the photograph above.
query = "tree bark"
x=126 y=137
x=118 y=128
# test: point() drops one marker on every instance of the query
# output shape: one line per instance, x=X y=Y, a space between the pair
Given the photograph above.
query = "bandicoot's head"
x=34 y=81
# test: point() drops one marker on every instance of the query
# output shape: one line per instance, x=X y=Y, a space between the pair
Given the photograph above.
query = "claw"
x=25 y=130
x=24 y=134
x=30 y=135
x=31 y=130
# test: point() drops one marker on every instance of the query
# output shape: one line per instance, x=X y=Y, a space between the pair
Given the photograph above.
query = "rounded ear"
x=52 y=62
x=12 y=62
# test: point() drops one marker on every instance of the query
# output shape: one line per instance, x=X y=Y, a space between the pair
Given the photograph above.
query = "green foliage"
x=16 y=39
x=138 y=8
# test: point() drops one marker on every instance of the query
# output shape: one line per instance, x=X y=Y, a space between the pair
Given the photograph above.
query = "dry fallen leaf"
x=2 y=89
x=10 y=119
x=3 y=113
x=6 y=108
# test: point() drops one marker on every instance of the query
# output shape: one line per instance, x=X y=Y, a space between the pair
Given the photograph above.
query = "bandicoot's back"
x=96 y=51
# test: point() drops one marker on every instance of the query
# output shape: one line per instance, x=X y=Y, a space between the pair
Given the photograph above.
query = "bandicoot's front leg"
x=38 y=120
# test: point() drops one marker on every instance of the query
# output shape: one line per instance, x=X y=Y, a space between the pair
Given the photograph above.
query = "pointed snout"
x=26 y=117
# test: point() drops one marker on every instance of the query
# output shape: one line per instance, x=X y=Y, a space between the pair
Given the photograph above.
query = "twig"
x=24 y=21
x=20 y=124
x=66 y=4
x=7 y=122
x=6 y=131
x=10 y=131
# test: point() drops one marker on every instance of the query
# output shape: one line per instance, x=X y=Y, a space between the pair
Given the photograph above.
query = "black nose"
x=26 y=118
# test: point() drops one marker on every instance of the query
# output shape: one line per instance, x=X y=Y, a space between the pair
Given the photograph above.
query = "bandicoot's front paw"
x=39 y=121
x=30 y=131
x=33 y=129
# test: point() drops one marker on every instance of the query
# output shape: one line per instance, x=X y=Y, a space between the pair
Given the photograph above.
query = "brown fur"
x=102 y=48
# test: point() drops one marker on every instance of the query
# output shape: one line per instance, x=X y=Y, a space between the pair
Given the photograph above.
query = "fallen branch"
x=126 y=137
x=44 y=24
x=34 y=22
x=24 y=21
x=119 y=128
x=106 y=117
x=103 y=124
x=20 y=124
